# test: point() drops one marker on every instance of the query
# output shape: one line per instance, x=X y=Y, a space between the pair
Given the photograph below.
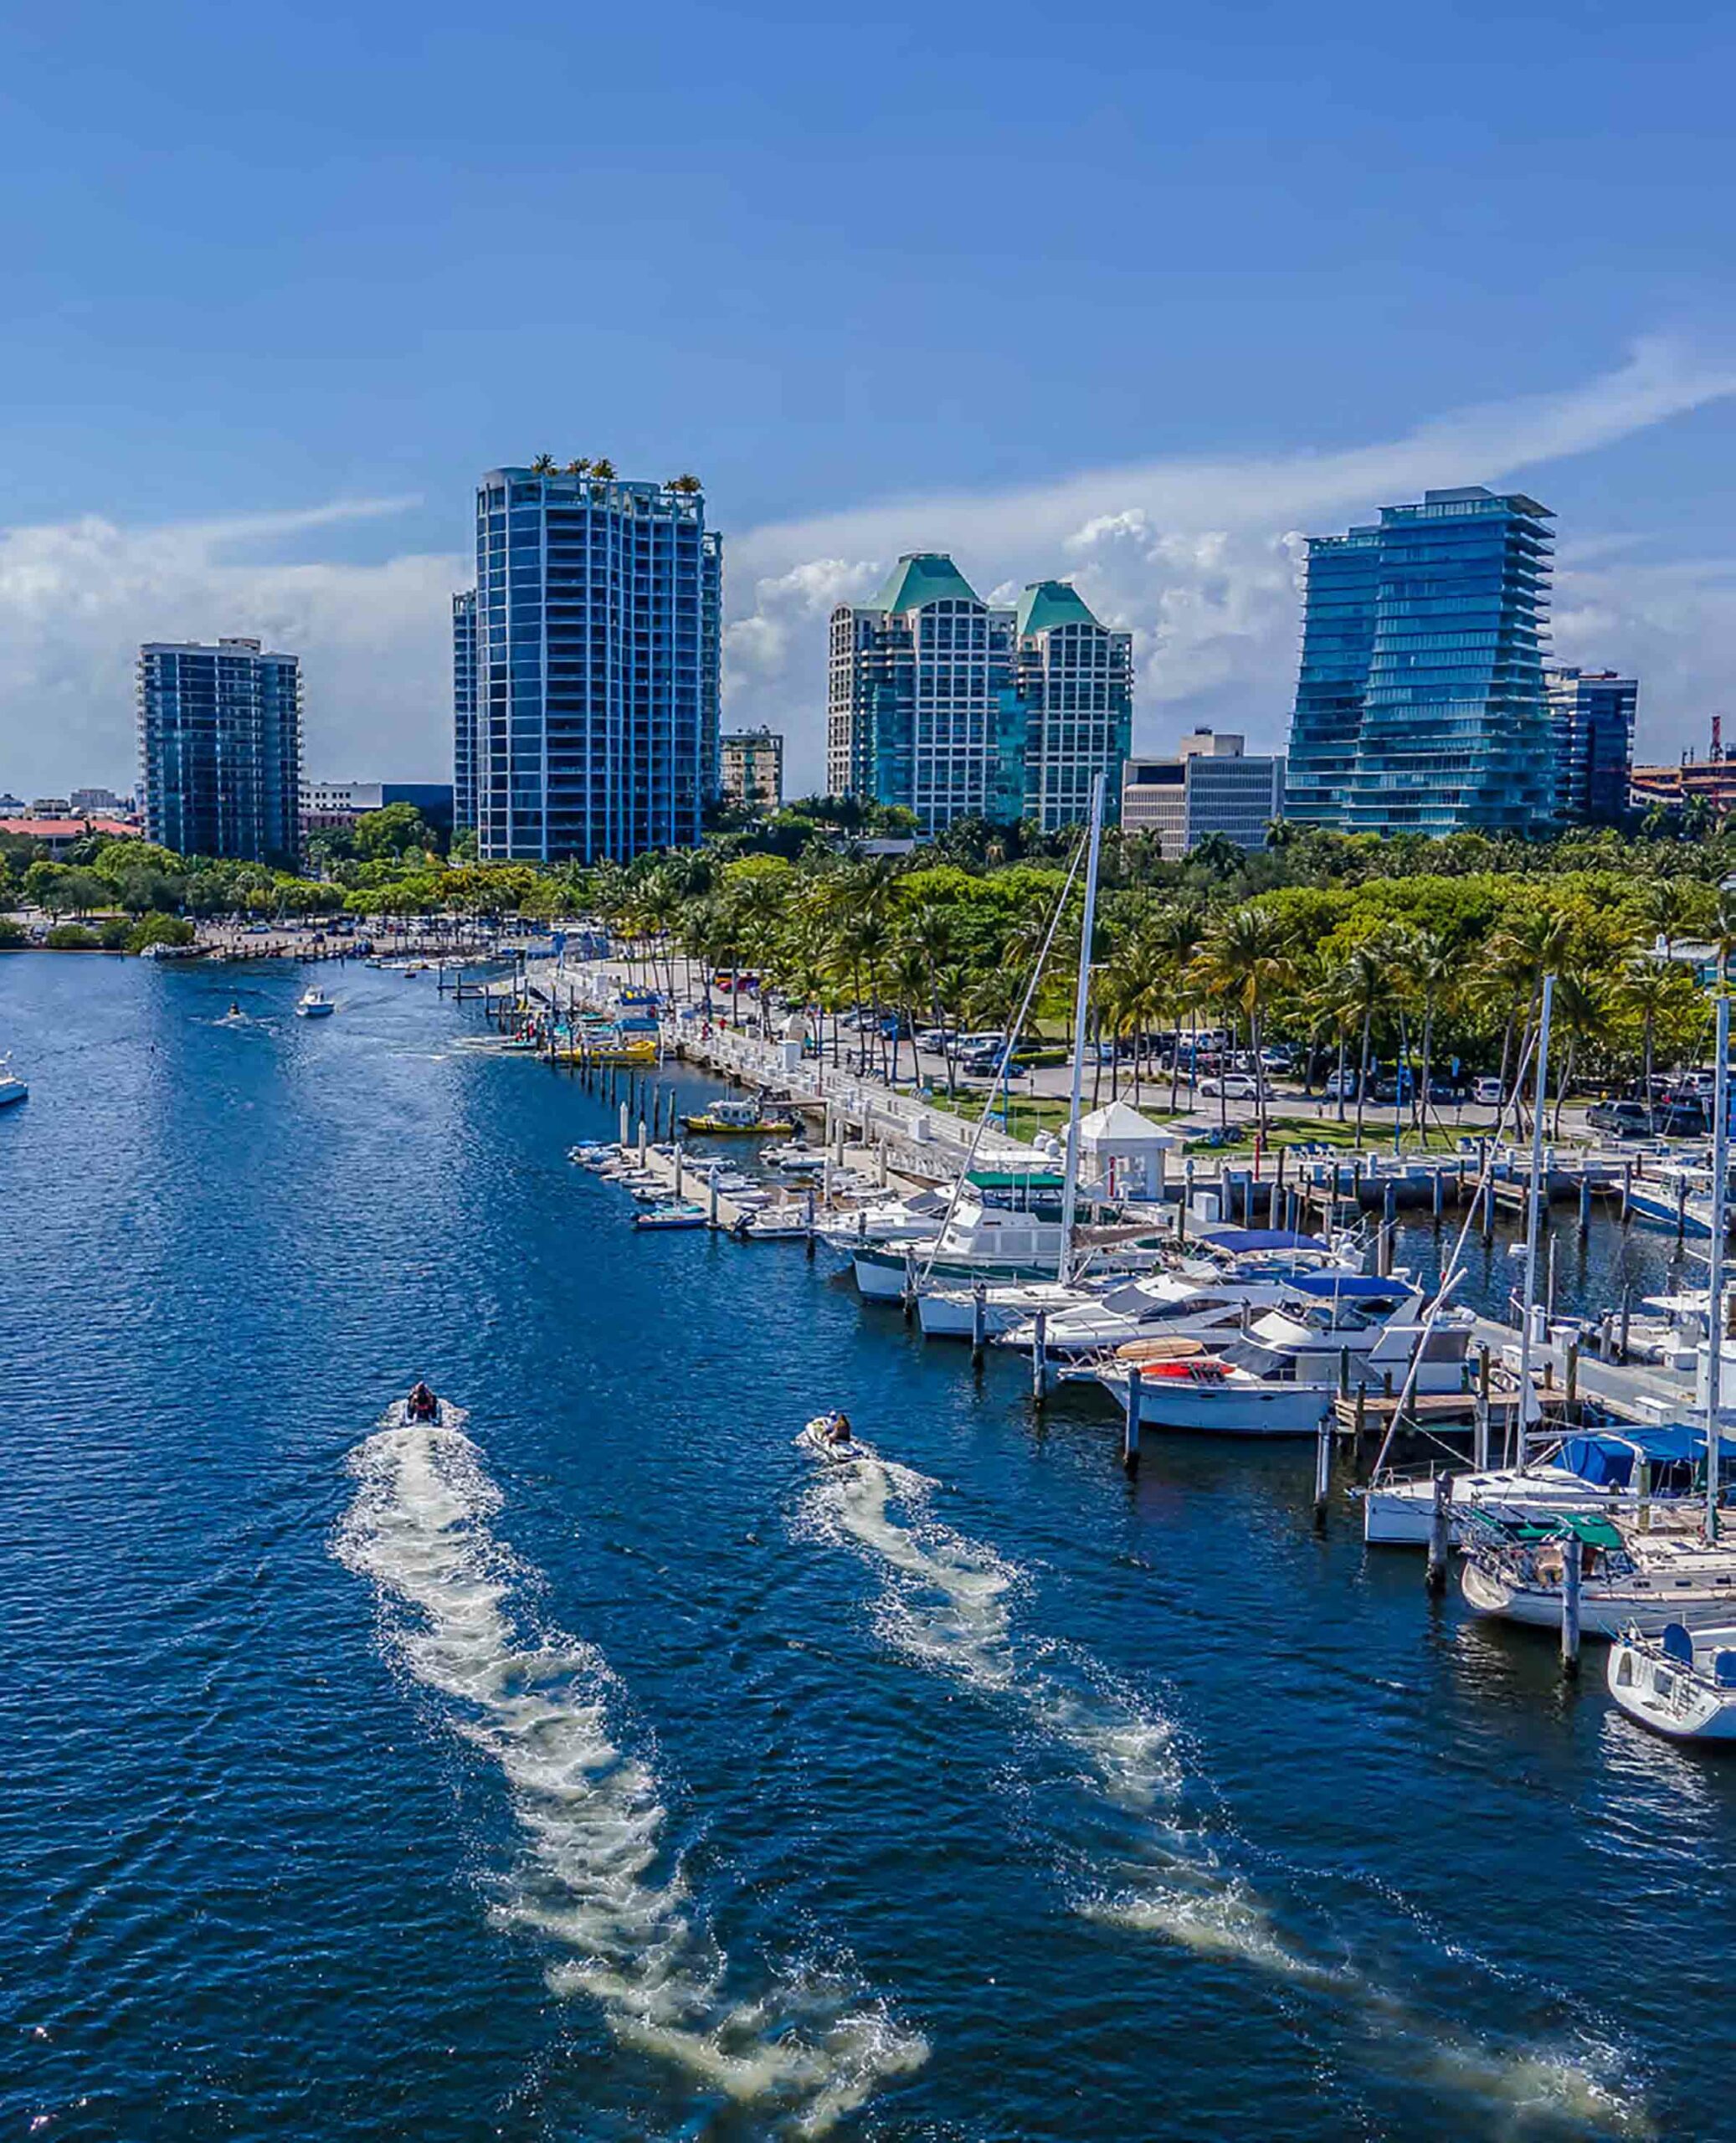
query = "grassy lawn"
x=1027 y=1116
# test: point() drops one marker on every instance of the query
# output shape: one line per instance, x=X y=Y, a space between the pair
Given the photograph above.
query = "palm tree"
x=604 y=469
x=1526 y=949
x=686 y=485
x=1364 y=988
x=1646 y=990
x=581 y=467
x=1582 y=1011
x=1176 y=934
x=1430 y=965
x=1245 y=961
x=543 y=466
x=1724 y=932
x=1670 y=907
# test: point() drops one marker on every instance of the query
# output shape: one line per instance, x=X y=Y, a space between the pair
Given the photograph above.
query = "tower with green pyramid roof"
x=958 y=708
x=1075 y=682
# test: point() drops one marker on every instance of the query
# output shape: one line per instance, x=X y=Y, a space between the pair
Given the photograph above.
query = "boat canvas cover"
x=1347 y=1287
x=1608 y=1462
x=1595 y=1531
x=1241 y=1243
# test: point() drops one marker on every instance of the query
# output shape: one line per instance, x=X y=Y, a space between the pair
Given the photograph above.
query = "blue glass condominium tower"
x=596 y=636
x=942 y=703
x=220 y=749
x=1420 y=706
x=464 y=710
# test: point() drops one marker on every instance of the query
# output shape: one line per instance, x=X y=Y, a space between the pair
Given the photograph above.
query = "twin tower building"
x=586 y=668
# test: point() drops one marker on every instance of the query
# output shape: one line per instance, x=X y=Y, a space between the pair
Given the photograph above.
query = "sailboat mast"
x=1533 y=1208
x=1715 y=1276
x=1070 y=1195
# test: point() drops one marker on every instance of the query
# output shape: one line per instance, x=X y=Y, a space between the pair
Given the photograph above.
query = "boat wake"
x=947 y=1604
x=593 y=1881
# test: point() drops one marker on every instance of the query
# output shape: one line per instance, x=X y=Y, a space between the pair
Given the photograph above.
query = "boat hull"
x=1603 y=1613
x=883 y=1279
x=1660 y=1694
x=1277 y=1410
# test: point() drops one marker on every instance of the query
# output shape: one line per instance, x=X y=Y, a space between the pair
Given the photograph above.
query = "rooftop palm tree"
x=543 y=466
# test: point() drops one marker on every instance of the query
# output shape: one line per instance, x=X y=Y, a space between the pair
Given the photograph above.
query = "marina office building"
x=586 y=676
x=955 y=708
x=1420 y=705
x=1212 y=786
x=220 y=748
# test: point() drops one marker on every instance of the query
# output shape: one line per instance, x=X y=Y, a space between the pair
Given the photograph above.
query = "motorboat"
x=745 y=1119
x=1513 y=1571
x=1645 y=1475
x=771 y=1227
x=1259 y=1390
x=1184 y=1387
x=671 y=1217
x=914 y=1219
x=314 y=1005
x=1327 y=1309
x=1680 y=1682
x=12 y=1087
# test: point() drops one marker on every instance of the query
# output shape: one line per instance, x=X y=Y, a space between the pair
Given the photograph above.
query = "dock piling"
x=1040 y=1357
x=979 y=1324
x=1572 y=1555
x=1439 y=1534
x=1480 y=1417
x=909 y=1295
x=1135 y=1397
x=625 y=1127
x=1322 y=1468
x=1627 y=1192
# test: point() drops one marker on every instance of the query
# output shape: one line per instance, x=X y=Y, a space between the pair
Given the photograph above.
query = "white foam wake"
x=946 y=1604
x=590 y=1815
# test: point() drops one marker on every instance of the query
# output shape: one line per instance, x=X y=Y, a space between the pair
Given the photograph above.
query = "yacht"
x=1680 y=1682
x=314 y=1005
x=1629 y=1579
x=1202 y=1300
x=980 y=1242
x=1632 y=1472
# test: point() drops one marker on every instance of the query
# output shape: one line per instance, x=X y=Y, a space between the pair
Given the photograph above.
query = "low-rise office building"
x=1211 y=786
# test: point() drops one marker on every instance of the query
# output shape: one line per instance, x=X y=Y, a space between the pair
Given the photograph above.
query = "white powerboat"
x=1184 y=1387
x=314 y=1005
x=1640 y=1474
x=1680 y=1682
x=12 y=1087
x=666 y=1217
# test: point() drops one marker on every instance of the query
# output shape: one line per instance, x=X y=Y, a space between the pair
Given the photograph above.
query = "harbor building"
x=1211 y=786
x=464 y=709
x=751 y=769
x=598 y=606
x=1420 y=704
x=1074 y=685
x=954 y=708
x=220 y=748
x=1592 y=712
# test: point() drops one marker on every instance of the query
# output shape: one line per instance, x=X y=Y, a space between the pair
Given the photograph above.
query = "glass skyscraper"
x=220 y=749
x=1075 y=683
x=464 y=710
x=1420 y=706
x=598 y=606
x=955 y=708
x=1593 y=713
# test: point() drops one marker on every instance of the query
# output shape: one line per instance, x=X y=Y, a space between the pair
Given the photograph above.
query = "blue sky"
x=280 y=284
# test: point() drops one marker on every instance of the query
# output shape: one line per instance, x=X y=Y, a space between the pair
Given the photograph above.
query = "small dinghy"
x=1680 y=1682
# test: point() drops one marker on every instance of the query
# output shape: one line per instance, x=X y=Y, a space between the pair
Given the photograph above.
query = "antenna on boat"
x=1540 y=1101
x=1070 y=1193
x=1715 y=1276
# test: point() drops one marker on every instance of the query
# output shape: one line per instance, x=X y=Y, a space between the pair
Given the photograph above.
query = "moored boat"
x=1515 y=1571
x=1680 y=1682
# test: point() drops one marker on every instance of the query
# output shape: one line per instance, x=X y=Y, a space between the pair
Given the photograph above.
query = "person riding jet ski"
x=422 y=1405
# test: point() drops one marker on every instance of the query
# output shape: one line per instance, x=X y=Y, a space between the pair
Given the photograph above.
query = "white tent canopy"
x=1124 y=1151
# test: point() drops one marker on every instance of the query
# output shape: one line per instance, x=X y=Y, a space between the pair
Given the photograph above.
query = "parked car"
x=1624 y=1119
x=1340 y=1083
x=1392 y=1090
x=1486 y=1092
x=1233 y=1086
x=933 y=1039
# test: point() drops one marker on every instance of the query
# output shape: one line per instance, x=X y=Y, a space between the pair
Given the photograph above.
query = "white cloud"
x=76 y=599
x=1198 y=559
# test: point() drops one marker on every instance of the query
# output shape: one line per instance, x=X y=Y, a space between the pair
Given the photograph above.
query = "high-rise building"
x=220 y=748
x=955 y=708
x=1420 y=707
x=1592 y=712
x=597 y=638
x=464 y=709
x=751 y=766
x=1211 y=786
x=1075 y=682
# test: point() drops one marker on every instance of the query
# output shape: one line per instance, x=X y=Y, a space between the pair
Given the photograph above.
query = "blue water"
x=602 y=1765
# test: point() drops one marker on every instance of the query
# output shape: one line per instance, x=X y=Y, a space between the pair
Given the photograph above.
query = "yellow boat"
x=744 y=1116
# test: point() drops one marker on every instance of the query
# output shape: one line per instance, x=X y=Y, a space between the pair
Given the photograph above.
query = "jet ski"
x=421 y=1406
x=830 y=1434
